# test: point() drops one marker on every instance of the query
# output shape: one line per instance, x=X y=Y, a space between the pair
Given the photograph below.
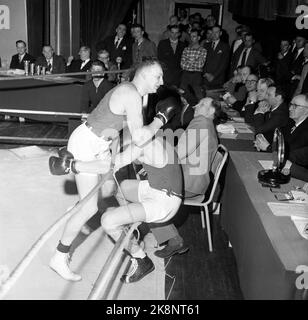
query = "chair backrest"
x=217 y=165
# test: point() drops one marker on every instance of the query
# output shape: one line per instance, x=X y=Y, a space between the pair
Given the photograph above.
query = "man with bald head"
x=54 y=63
x=296 y=138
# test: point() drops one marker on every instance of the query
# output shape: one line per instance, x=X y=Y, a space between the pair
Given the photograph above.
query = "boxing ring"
x=47 y=98
x=102 y=283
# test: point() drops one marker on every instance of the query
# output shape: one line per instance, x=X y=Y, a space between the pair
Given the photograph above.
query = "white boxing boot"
x=59 y=263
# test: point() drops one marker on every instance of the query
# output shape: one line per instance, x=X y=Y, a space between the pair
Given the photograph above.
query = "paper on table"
x=301 y=226
x=238 y=119
x=228 y=135
x=242 y=127
x=289 y=209
x=266 y=164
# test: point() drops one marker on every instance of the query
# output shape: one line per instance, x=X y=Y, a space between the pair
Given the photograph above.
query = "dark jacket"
x=171 y=61
x=76 y=65
x=124 y=50
x=91 y=95
x=146 y=49
x=253 y=60
x=217 y=63
x=296 y=65
x=268 y=122
x=15 y=64
x=282 y=68
x=58 y=65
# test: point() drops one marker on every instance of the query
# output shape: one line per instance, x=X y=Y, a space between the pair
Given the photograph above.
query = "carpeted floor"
x=31 y=200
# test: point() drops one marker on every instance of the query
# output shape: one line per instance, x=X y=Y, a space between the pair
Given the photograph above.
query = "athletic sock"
x=62 y=248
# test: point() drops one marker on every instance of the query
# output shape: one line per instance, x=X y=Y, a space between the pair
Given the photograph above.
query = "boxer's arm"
x=130 y=154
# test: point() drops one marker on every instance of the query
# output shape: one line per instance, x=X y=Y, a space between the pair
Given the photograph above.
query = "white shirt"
x=299 y=123
x=117 y=39
x=247 y=54
x=21 y=57
x=50 y=62
x=215 y=44
x=237 y=43
x=84 y=63
x=299 y=52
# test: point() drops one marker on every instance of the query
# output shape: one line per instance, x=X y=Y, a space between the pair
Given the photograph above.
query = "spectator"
x=17 y=61
x=169 y=52
x=174 y=21
x=192 y=63
x=248 y=55
x=274 y=115
x=217 y=61
x=83 y=64
x=296 y=139
x=118 y=45
x=103 y=56
x=94 y=90
x=238 y=40
x=196 y=179
x=207 y=41
x=53 y=63
x=212 y=22
x=282 y=64
x=142 y=48
x=302 y=87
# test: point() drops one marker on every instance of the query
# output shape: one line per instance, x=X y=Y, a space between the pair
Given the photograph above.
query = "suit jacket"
x=15 y=64
x=76 y=65
x=217 y=63
x=58 y=65
x=268 y=122
x=171 y=61
x=197 y=173
x=254 y=58
x=296 y=65
x=112 y=77
x=91 y=96
x=282 y=68
x=147 y=48
x=124 y=50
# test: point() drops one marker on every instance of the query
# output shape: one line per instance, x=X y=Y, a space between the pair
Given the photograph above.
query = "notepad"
x=289 y=209
x=242 y=127
x=228 y=135
x=266 y=164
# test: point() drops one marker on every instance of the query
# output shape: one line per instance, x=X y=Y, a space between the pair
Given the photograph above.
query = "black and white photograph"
x=153 y=153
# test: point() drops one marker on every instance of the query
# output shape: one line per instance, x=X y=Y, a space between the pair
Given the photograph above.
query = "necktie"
x=213 y=45
x=48 y=65
x=117 y=42
x=243 y=61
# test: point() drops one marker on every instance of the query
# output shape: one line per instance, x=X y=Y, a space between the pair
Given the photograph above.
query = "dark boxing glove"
x=64 y=164
x=166 y=109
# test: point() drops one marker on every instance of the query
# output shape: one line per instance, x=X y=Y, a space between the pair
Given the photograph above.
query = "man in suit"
x=104 y=57
x=53 y=63
x=169 y=52
x=303 y=82
x=142 y=47
x=274 y=115
x=18 y=59
x=95 y=89
x=247 y=55
x=83 y=64
x=296 y=138
x=282 y=63
x=217 y=61
x=118 y=45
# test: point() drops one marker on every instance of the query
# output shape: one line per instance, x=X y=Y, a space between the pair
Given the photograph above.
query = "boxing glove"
x=166 y=109
x=64 y=164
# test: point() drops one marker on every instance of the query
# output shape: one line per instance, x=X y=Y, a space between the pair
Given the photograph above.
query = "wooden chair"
x=217 y=165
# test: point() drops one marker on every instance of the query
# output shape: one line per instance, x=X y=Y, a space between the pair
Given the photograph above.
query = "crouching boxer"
x=90 y=145
x=154 y=200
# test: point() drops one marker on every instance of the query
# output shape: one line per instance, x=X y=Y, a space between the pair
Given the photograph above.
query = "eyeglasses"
x=250 y=81
x=294 y=105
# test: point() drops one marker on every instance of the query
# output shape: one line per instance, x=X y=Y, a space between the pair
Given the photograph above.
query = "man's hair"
x=98 y=63
x=21 y=41
x=217 y=26
x=268 y=81
x=102 y=51
x=196 y=31
x=87 y=48
x=279 y=91
x=219 y=116
x=137 y=25
x=173 y=26
x=146 y=62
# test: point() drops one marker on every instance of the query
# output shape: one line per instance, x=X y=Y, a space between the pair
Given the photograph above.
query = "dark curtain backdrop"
x=38 y=25
x=264 y=9
x=99 y=19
